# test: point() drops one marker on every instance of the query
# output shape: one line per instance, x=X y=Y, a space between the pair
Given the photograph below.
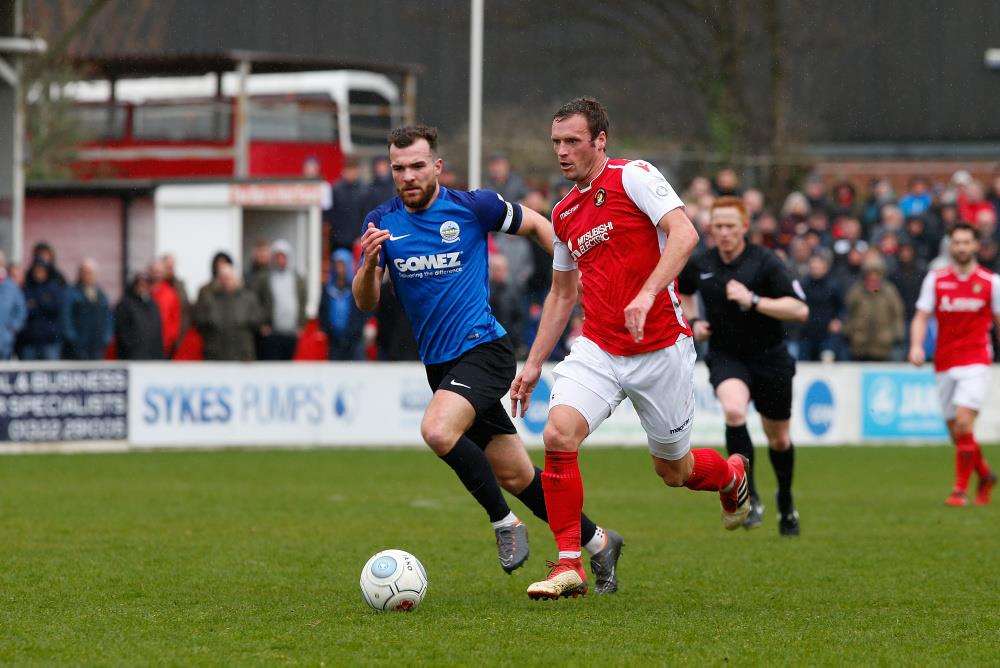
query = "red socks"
x=979 y=463
x=966 y=451
x=563 y=489
x=711 y=472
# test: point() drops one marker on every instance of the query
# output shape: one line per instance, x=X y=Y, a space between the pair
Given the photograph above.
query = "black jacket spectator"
x=825 y=298
x=44 y=253
x=908 y=277
x=138 y=332
x=382 y=188
x=505 y=300
x=394 y=341
x=346 y=214
x=41 y=338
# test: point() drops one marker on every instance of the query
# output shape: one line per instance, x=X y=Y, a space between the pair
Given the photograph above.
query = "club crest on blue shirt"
x=450 y=231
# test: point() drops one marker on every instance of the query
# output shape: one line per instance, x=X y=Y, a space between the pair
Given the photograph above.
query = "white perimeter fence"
x=117 y=406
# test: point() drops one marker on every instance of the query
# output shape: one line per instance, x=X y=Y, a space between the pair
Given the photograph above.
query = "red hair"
x=730 y=202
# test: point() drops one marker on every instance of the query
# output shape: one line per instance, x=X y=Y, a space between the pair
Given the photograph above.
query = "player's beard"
x=963 y=260
x=422 y=200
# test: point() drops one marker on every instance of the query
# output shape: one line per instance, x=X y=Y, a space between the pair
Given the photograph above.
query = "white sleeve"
x=646 y=187
x=996 y=294
x=562 y=259
x=927 y=299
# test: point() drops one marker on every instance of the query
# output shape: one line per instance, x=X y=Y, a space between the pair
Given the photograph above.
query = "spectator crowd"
x=860 y=258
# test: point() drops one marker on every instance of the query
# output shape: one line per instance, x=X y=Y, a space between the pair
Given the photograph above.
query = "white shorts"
x=965 y=386
x=659 y=383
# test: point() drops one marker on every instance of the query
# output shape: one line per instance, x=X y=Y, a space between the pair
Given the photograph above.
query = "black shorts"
x=483 y=376
x=768 y=375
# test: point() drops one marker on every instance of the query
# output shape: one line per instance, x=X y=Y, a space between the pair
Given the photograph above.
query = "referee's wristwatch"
x=754 y=301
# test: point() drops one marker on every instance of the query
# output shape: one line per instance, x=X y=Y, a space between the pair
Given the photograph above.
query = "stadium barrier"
x=113 y=406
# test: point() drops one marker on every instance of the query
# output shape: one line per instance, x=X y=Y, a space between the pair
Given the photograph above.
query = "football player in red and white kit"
x=623 y=231
x=965 y=299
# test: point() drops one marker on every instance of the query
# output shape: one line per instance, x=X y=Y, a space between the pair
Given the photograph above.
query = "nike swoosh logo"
x=703 y=276
x=401 y=236
x=460 y=384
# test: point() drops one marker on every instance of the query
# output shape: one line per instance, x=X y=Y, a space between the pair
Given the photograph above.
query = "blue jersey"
x=439 y=264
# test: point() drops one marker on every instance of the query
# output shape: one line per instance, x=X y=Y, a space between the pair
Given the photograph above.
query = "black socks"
x=783 y=463
x=473 y=469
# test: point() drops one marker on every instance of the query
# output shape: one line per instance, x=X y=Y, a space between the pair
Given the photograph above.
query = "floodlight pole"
x=13 y=48
x=476 y=95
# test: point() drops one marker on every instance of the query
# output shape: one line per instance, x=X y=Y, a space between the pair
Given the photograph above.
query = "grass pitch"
x=253 y=557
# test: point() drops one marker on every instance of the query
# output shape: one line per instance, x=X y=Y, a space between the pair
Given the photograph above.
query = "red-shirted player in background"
x=623 y=230
x=965 y=299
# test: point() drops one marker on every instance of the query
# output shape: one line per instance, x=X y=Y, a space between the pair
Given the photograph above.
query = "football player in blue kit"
x=432 y=242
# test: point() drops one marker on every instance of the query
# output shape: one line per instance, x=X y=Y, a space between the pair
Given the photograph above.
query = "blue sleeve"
x=20 y=311
x=493 y=212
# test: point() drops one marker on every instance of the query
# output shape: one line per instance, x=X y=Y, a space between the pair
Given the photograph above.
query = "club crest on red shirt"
x=600 y=197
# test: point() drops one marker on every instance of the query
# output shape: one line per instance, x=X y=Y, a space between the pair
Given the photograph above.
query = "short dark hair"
x=962 y=225
x=590 y=109
x=407 y=135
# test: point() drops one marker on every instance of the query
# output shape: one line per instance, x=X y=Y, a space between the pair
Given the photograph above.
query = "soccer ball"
x=393 y=580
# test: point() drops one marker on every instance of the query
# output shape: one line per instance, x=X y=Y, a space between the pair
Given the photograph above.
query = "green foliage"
x=53 y=132
x=236 y=558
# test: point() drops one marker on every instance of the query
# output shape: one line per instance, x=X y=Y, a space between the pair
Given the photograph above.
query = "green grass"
x=253 y=558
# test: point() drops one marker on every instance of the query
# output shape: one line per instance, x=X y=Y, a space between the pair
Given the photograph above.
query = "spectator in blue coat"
x=918 y=198
x=12 y=310
x=87 y=322
x=338 y=316
x=42 y=338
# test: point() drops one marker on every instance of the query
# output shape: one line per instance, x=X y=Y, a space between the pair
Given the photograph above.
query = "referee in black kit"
x=748 y=292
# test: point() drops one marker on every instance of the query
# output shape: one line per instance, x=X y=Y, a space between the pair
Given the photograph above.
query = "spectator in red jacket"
x=971 y=201
x=171 y=299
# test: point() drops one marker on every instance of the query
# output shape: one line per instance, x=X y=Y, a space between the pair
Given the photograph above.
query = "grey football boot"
x=604 y=564
x=512 y=546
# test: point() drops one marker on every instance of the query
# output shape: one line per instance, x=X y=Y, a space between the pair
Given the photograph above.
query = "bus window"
x=98 y=122
x=371 y=118
x=188 y=121
x=301 y=120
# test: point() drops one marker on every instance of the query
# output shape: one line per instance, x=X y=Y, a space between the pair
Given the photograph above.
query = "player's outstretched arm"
x=788 y=309
x=682 y=239
x=918 y=333
x=555 y=316
x=536 y=226
x=367 y=285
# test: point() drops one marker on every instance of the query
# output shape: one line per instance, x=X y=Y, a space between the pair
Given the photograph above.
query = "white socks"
x=508 y=521
x=597 y=543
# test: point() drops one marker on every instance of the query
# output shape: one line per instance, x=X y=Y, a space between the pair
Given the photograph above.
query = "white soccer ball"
x=393 y=580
